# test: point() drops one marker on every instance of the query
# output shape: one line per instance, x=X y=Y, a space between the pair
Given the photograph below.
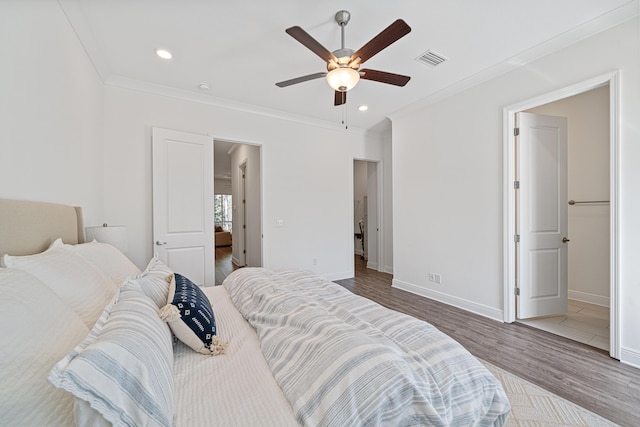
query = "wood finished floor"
x=579 y=373
x=224 y=266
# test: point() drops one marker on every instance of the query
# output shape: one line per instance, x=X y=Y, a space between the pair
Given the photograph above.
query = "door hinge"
x=516 y=184
x=244 y=251
x=516 y=238
x=517 y=291
x=516 y=131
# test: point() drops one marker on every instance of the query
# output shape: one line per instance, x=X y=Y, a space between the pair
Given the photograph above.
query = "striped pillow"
x=124 y=368
x=154 y=281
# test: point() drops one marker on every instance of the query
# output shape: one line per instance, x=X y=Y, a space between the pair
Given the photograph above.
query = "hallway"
x=224 y=265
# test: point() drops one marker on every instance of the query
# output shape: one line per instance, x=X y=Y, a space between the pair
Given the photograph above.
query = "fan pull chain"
x=344 y=116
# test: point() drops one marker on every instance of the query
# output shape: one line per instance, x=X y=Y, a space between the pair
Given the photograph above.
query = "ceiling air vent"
x=431 y=58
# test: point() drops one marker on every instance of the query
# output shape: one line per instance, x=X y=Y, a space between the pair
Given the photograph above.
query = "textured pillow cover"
x=37 y=329
x=191 y=317
x=124 y=368
x=113 y=263
x=73 y=279
x=154 y=281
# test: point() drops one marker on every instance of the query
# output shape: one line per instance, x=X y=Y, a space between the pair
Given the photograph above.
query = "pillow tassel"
x=169 y=313
x=218 y=346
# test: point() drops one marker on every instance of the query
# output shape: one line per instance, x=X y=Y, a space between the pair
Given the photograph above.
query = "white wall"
x=222 y=186
x=372 y=235
x=386 y=264
x=588 y=179
x=306 y=176
x=447 y=179
x=68 y=138
x=51 y=103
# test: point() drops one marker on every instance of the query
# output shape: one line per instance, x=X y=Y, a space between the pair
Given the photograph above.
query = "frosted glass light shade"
x=115 y=235
x=343 y=79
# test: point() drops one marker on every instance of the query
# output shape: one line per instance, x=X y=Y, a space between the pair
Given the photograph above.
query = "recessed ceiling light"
x=203 y=86
x=164 y=54
x=363 y=107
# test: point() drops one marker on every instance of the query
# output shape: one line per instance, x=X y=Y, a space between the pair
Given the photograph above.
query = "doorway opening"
x=593 y=231
x=366 y=216
x=238 y=219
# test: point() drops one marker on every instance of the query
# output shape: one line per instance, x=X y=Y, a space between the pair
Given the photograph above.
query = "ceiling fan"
x=343 y=65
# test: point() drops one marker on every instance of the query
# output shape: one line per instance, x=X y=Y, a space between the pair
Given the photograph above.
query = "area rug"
x=533 y=406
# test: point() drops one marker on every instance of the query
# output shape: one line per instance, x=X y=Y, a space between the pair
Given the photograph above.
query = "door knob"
x=160 y=242
x=565 y=240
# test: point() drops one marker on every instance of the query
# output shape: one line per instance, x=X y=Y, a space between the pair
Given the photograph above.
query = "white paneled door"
x=183 y=203
x=542 y=224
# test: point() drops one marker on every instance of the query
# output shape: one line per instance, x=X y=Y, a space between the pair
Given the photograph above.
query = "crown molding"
x=73 y=14
x=603 y=22
x=185 y=95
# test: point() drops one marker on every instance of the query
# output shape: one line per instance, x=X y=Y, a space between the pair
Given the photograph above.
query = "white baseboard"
x=630 y=357
x=332 y=277
x=471 y=306
x=387 y=269
x=590 y=298
x=372 y=265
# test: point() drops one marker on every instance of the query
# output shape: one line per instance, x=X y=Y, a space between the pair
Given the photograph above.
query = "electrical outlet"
x=432 y=277
x=438 y=279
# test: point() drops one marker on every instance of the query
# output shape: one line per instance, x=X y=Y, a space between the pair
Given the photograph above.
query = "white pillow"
x=124 y=368
x=113 y=263
x=37 y=329
x=75 y=280
x=154 y=281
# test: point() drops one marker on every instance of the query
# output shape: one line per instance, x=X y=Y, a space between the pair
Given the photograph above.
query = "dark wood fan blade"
x=301 y=79
x=389 y=35
x=340 y=98
x=384 y=77
x=303 y=37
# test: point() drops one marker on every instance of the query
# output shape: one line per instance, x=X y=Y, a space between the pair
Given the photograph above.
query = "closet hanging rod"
x=573 y=202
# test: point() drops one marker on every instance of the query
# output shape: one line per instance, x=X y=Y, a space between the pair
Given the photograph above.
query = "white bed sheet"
x=234 y=389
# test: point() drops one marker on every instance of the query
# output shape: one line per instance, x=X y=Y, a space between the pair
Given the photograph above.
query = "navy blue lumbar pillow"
x=191 y=317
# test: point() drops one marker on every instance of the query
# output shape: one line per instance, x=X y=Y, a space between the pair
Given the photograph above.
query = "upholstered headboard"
x=30 y=227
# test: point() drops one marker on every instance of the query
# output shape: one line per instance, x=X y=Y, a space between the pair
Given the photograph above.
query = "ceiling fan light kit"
x=343 y=79
x=343 y=65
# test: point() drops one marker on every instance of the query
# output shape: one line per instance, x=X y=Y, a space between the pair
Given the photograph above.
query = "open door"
x=541 y=215
x=183 y=203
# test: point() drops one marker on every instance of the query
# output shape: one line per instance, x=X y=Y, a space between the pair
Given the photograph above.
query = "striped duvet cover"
x=343 y=360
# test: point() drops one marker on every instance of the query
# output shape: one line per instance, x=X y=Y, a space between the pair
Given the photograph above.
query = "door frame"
x=379 y=210
x=260 y=145
x=242 y=212
x=509 y=199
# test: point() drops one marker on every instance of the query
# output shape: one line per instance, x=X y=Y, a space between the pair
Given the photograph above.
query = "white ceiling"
x=241 y=50
x=222 y=159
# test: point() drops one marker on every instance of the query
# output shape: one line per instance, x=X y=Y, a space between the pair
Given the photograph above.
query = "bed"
x=89 y=339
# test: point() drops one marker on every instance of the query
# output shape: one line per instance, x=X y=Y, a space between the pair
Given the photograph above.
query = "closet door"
x=542 y=217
